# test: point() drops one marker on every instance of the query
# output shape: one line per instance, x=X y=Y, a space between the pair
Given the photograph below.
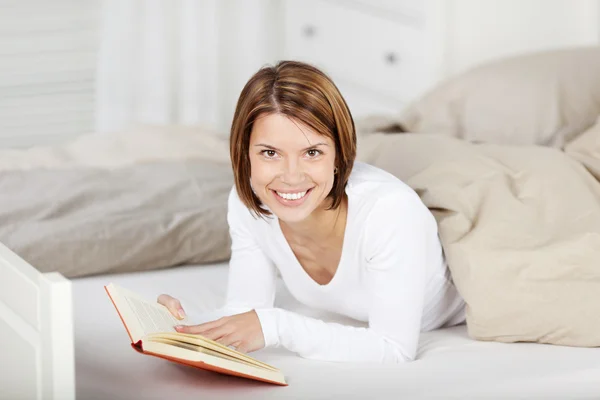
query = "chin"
x=291 y=216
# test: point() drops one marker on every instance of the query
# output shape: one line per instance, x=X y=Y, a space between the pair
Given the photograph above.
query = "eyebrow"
x=276 y=149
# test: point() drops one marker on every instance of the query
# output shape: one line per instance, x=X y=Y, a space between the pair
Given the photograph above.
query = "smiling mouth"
x=294 y=197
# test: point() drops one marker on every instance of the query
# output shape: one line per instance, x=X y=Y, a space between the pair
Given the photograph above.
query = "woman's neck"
x=321 y=224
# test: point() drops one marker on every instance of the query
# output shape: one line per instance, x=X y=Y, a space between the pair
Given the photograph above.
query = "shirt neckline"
x=301 y=270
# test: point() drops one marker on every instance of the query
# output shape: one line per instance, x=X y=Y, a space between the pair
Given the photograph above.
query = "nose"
x=292 y=173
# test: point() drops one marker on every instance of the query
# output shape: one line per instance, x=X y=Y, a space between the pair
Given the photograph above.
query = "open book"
x=151 y=329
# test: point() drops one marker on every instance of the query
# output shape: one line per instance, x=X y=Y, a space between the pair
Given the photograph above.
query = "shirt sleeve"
x=252 y=275
x=398 y=232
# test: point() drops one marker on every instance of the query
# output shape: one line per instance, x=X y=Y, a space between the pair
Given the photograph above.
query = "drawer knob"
x=309 y=31
x=391 y=58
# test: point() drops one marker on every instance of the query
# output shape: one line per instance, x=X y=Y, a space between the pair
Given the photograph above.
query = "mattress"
x=449 y=364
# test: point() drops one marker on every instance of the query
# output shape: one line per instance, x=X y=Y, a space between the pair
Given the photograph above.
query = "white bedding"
x=449 y=364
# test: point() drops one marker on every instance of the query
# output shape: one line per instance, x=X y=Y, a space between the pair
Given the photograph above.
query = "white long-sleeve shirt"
x=391 y=274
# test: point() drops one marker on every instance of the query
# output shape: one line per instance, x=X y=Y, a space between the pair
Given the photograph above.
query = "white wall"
x=482 y=30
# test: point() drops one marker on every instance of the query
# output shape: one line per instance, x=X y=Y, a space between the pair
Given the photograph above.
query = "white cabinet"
x=375 y=51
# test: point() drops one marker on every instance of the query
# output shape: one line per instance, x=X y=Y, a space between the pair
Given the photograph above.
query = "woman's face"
x=292 y=166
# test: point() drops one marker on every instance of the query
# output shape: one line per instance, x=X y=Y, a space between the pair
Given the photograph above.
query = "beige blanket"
x=520 y=228
x=86 y=220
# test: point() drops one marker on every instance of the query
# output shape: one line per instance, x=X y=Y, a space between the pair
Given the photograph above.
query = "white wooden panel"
x=18 y=287
x=36 y=332
x=401 y=10
x=18 y=374
x=58 y=358
x=363 y=103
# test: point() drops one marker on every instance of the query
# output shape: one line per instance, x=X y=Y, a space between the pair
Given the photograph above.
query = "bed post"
x=57 y=351
x=36 y=332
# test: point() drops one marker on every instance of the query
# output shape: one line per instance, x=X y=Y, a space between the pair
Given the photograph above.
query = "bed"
x=449 y=363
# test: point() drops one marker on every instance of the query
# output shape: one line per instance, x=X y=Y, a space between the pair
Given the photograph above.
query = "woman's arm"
x=252 y=275
x=397 y=255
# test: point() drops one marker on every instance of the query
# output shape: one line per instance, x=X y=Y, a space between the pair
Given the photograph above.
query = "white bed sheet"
x=449 y=364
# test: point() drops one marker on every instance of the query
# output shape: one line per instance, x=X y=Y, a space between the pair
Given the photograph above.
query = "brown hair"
x=303 y=92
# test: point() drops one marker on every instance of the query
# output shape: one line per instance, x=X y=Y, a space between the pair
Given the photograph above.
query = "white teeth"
x=292 y=196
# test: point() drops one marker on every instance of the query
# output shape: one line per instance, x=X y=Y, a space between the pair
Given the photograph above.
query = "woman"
x=345 y=236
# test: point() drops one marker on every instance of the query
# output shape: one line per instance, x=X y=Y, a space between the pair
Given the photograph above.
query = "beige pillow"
x=83 y=220
x=586 y=149
x=546 y=98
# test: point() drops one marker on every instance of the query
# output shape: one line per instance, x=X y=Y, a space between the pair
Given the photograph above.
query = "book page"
x=205 y=343
x=140 y=316
x=205 y=350
x=153 y=318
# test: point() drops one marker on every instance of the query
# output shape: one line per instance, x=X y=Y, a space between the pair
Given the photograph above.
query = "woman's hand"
x=242 y=331
x=172 y=304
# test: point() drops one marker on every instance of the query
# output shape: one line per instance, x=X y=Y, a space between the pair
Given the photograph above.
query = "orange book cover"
x=139 y=347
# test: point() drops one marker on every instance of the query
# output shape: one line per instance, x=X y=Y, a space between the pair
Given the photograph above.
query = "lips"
x=292 y=202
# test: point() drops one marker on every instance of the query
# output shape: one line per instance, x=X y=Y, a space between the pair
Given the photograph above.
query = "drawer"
x=380 y=55
x=400 y=9
x=363 y=103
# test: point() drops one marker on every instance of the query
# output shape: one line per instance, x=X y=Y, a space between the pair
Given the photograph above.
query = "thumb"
x=173 y=305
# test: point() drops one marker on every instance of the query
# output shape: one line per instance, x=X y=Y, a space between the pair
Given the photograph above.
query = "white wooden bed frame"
x=36 y=332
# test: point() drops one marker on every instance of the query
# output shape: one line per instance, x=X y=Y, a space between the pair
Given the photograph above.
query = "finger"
x=235 y=345
x=163 y=299
x=192 y=329
x=173 y=305
x=218 y=333
x=200 y=328
x=242 y=347
x=228 y=340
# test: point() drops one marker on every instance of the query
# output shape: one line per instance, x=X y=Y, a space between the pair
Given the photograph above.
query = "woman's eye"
x=313 y=153
x=269 y=153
